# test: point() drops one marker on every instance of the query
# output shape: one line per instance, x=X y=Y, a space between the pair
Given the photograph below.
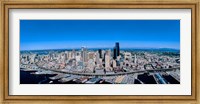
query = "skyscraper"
x=84 y=54
x=117 y=48
x=100 y=53
x=97 y=58
x=114 y=53
x=107 y=60
x=114 y=64
x=135 y=59
x=73 y=54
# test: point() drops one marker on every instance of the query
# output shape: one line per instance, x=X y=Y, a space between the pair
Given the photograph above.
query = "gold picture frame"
x=34 y=4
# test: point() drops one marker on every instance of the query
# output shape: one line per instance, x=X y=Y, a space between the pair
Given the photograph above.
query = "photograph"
x=111 y=51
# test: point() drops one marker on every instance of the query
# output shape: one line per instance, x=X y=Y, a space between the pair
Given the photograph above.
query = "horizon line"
x=96 y=48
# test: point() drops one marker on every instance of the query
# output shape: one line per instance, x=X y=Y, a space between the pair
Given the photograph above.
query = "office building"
x=114 y=53
x=84 y=54
x=100 y=53
x=117 y=48
x=107 y=60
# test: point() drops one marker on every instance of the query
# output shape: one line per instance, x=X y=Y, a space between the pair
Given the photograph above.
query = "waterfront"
x=27 y=77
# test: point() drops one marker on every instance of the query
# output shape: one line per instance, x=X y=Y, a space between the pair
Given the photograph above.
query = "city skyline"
x=100 y=67
x=73 y=34
x=104 y=48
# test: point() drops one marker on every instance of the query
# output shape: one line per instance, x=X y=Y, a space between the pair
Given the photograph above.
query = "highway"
x=113 y=74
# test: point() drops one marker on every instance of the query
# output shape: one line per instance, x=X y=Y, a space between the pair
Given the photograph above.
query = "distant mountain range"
x=123 y=49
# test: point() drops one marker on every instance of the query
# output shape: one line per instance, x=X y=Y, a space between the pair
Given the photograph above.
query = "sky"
x=72 y=34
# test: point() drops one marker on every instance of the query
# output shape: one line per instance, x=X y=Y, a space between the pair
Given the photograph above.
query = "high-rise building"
x=69 y=55
x=63 y=57
x=116 y=51
x=91 y=55
x=97 y=58
x=100 y=53
x=78 y=57
x=135 y=59
x=114 y=63
x=73 y=54
x=117 y=48
x=109 y=52
x=107 y=60
x=84 y=54
x=66 y=55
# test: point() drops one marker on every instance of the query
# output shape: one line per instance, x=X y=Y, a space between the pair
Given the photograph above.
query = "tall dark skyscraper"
x=100 y=53
x=114 y=53
x=116 y=50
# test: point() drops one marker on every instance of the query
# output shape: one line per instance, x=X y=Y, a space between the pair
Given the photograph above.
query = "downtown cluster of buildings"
x=100 y=61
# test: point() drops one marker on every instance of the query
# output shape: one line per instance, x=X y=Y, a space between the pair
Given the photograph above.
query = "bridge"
x=113 y=74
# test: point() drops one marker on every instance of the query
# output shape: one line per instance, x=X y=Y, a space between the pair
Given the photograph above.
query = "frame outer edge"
x=1 y=53
x=3 y=50
x=198 y=54
x=1 y=47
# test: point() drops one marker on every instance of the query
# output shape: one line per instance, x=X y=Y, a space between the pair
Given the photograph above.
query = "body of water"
x=27 y=78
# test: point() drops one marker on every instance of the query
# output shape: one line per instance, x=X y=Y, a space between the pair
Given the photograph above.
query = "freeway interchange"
x=113 y=74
